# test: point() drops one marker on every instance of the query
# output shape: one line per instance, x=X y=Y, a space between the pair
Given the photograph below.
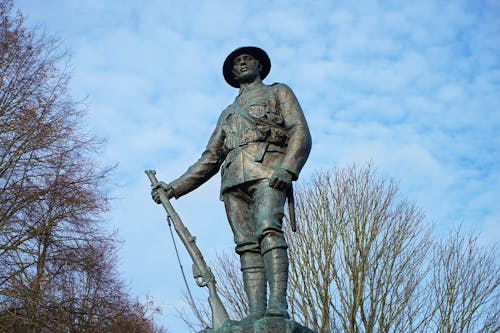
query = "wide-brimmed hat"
x=257 y=53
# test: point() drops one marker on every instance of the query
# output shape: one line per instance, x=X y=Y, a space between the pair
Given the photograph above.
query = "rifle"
x=202 y=273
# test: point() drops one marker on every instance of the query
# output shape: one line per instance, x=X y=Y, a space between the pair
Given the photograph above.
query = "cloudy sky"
x=412 y=86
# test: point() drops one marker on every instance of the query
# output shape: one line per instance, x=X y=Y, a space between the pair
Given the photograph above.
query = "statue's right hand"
x=155 y=191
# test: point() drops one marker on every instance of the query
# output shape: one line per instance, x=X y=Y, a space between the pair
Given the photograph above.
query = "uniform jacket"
x=264 y=129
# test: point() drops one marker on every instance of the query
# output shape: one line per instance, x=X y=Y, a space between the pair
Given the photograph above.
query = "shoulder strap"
x=240 y=112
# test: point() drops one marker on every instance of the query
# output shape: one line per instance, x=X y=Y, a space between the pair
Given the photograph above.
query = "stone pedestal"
x=263 y=325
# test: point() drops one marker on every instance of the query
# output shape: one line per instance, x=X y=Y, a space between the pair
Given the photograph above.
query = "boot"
x=276 y=263
x=255 y=285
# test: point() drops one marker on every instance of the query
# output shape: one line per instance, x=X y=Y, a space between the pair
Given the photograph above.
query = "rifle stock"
x=202 y=273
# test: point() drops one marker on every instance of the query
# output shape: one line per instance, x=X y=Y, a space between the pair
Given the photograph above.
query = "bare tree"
x=359 y=255
x=57 y=264
x=464 y=286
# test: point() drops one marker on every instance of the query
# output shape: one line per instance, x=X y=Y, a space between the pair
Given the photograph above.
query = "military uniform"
x=264 y=129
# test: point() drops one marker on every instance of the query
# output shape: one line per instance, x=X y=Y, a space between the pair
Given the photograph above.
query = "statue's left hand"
x=280 y=179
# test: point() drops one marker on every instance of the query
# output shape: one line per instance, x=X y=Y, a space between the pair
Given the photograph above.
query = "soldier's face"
x=246 y=68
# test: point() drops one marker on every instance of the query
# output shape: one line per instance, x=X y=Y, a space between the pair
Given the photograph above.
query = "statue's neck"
x=244 y=87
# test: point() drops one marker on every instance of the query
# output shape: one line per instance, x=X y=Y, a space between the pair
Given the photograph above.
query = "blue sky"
x=412 y=86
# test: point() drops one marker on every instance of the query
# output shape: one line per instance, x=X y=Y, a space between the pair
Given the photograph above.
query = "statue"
x=260 y=143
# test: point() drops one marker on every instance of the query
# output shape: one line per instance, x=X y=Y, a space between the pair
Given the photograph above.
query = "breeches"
x=255 y=212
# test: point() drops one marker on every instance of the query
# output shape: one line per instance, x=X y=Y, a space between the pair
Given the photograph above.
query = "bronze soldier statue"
x=261 y=143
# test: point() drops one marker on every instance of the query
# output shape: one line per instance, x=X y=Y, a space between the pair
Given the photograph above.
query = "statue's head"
x=245 y=57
